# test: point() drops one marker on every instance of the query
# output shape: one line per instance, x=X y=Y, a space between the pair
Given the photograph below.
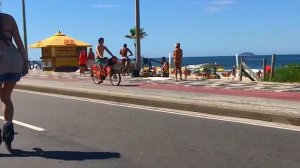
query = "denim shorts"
x=10 y=77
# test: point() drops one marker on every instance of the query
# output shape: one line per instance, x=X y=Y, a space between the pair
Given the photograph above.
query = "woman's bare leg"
x=5 y=94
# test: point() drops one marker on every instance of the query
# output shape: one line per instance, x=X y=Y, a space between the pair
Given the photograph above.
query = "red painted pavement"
x=291 y=96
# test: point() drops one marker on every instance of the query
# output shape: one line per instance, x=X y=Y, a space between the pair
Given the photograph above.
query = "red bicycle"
x=99 y=73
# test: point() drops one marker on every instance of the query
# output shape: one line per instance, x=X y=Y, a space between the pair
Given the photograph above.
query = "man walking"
x=124 y=56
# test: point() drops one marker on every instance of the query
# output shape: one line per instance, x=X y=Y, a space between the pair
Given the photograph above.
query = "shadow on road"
x=63 y=155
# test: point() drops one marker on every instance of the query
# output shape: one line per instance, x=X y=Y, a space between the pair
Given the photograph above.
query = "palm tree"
x=132 y=35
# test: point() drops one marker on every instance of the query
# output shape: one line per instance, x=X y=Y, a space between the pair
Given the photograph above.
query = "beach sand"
x=199 y=77
x=223 y=78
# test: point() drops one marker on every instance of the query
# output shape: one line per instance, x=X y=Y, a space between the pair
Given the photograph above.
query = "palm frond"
x=129 y=36
x=143 y=34
x=132 y=32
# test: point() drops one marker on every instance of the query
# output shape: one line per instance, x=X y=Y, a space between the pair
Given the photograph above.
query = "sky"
x=203 y=27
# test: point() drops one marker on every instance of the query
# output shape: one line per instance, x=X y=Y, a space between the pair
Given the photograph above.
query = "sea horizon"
x=227 y=62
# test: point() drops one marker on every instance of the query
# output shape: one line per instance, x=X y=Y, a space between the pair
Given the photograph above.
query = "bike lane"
x=290 y=96
x=236 y=91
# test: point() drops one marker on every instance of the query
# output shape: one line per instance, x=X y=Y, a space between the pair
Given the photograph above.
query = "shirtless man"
x=100 y=59
x=100 y=52
x=123 y=52
x=177 y=55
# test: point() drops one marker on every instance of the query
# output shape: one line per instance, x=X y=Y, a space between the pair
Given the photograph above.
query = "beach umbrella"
x=220 y=70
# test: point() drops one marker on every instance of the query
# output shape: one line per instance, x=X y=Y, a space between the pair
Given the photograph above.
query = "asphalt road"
x=91 y=134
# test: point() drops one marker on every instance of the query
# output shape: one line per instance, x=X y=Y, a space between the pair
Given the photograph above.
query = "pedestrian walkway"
x=265 y=101
x=211 y=83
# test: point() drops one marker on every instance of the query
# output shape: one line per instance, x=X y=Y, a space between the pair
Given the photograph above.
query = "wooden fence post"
x=241 y=69
x=264 y=67
x=272 y=66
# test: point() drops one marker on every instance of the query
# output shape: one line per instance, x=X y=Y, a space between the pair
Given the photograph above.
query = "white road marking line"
x=176 y=112
x=26 y=125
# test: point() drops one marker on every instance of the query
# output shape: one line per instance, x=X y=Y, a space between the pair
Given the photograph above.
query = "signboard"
x=69 y=42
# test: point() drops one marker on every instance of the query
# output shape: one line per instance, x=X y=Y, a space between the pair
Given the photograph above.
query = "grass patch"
x=287 y=74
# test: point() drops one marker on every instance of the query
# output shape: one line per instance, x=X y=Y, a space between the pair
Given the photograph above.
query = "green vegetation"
x=132 y=35
x=289 y=73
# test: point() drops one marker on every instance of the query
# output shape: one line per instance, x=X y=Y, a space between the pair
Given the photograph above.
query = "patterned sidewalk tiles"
x=74 y=76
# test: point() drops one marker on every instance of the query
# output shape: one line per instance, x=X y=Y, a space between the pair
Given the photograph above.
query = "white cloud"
x=219 y=5
x=106 y=6
x=223 y=2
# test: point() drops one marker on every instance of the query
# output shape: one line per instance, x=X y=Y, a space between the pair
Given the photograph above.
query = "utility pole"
x=24 y=26
x=138 y=42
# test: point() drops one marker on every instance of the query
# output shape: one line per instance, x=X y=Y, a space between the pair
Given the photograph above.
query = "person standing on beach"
x=13 y=65
x=91 y=58
x=82 y=61
x=177 y=56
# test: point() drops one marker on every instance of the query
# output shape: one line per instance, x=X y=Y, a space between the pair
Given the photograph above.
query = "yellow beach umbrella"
x=59 y=40
x=220 y=70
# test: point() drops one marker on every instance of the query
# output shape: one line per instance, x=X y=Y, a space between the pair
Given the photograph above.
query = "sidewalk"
x=264 y=101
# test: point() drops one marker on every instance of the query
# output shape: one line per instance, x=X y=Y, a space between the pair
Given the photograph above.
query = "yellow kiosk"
x=60 y=52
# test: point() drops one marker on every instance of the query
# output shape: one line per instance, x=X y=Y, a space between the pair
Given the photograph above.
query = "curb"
x=165 y=104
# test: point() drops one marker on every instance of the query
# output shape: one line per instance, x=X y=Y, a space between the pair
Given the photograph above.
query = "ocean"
x=227 y=62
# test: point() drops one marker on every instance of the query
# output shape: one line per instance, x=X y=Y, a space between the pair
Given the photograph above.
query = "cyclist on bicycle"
x=124 y=56
x=100 y=59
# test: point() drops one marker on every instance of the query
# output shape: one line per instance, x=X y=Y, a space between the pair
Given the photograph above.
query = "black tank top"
x=3 y=36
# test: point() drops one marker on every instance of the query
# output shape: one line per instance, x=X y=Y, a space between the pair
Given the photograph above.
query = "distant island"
x=245 y=54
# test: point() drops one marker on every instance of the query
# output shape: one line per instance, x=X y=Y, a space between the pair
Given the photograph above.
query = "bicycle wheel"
x=115 y=79
x=96 y=78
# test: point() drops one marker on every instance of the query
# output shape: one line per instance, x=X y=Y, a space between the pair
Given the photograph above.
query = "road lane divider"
x=26 y=125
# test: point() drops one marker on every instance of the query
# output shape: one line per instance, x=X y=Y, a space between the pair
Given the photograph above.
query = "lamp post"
x=138 y=42
x=24 y=26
